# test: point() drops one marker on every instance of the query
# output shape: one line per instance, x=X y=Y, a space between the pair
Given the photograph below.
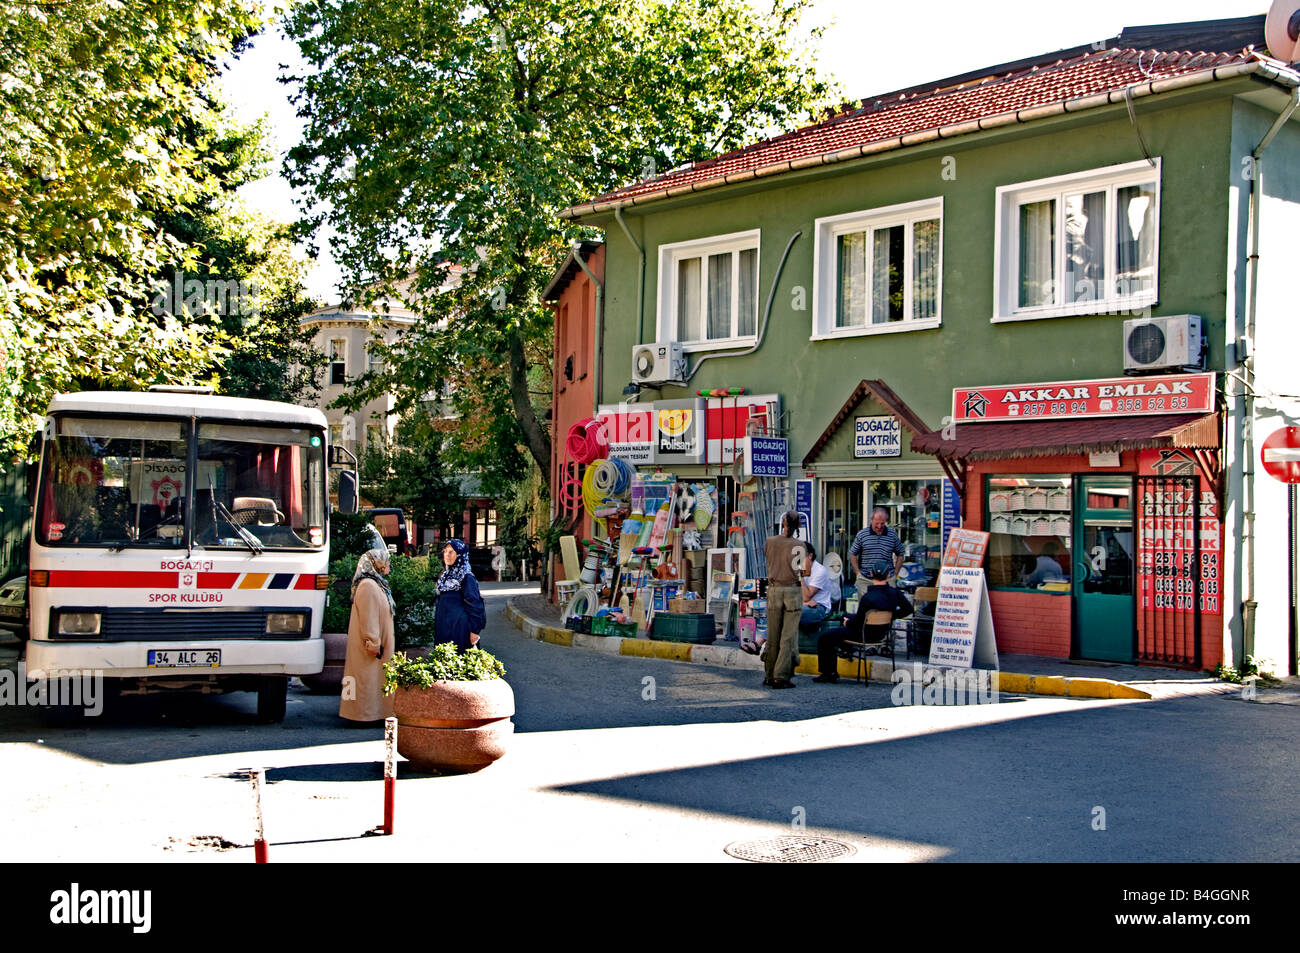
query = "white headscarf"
x=369 y=566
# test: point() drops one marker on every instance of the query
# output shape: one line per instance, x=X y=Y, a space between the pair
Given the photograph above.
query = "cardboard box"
x=686 y=605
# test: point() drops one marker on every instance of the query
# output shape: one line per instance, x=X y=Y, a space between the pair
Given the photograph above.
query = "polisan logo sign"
x=674 y=423
x=680 y=428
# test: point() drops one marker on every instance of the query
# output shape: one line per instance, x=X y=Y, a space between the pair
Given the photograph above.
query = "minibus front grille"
x=180 y=625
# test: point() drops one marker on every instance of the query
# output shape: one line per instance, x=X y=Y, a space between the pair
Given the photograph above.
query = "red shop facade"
x=1104 y=514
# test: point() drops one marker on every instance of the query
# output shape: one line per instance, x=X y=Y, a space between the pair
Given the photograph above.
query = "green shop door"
x=1103 y=567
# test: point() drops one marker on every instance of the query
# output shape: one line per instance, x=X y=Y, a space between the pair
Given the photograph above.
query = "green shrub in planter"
x=415 y=627
x=413 y=588
x=443 y=664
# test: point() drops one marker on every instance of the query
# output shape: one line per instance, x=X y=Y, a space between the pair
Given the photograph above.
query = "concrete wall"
x=1276 y=382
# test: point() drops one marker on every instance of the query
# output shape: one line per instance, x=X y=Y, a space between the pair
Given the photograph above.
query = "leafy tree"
x=251 y=261
x=412 y=476
x=105 y=123
x=516 y=511
x=350 y=533
x=444 y=137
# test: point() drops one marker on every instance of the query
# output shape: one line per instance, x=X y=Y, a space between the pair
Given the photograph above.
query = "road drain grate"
x=790 y=850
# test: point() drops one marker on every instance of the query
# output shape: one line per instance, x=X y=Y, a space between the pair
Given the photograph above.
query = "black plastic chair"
x=865 y=648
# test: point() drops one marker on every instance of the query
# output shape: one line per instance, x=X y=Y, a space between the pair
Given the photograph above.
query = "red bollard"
x=257 y=775
x=390 y=771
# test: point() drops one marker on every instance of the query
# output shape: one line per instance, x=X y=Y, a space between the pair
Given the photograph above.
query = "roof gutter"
x=1264 y=69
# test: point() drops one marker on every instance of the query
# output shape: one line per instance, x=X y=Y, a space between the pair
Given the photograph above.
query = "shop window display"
x=915 y=510
x=1028 y=519
x=844 y=517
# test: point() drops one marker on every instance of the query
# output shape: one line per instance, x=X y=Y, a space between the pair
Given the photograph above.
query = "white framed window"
x=878 y=271
x=708 y=292
x=374 y=360
x=1087 y=243
x=338 y=361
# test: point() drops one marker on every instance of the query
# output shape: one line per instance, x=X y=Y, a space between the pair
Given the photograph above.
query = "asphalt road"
x=628 y=759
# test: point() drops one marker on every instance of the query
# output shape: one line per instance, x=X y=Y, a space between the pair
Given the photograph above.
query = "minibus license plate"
x=184 y=658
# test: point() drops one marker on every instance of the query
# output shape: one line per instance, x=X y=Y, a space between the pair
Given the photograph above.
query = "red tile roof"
x=885 y=120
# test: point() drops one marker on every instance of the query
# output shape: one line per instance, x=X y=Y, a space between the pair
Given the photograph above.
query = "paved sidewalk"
x=1019 y=674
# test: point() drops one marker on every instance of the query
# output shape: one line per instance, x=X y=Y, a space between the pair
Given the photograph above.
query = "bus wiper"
x=220 y=508
x=153 y=530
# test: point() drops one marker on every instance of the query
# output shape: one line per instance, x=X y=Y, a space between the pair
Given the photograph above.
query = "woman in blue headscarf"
x=460 y=616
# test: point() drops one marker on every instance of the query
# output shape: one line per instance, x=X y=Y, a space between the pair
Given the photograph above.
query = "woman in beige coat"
x=370 y=641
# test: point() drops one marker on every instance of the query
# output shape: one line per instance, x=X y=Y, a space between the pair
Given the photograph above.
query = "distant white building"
x=346 y=337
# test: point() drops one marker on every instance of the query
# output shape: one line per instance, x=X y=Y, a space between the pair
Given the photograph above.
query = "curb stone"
x=1011 y=683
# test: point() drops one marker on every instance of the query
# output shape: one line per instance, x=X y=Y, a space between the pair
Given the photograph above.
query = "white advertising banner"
x=963 y=623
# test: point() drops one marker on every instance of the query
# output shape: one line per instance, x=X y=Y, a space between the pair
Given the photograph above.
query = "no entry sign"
x=1280 y=454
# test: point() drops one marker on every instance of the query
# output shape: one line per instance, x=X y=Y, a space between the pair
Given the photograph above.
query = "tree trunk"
x=539 y=443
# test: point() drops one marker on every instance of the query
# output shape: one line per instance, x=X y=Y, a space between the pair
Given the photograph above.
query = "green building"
x=1035 y=222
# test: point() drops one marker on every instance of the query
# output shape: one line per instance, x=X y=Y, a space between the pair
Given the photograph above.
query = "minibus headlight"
x=286 y=623
x=78 y=623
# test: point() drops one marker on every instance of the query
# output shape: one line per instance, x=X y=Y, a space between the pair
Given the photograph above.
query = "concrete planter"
x=330 y=679
x=454 y=727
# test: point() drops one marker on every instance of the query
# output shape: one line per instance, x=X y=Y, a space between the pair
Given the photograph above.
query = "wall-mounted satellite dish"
x=1282 y=30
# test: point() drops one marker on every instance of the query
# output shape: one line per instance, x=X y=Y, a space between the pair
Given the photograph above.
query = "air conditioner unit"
x=1159 y=344
x=658 y=363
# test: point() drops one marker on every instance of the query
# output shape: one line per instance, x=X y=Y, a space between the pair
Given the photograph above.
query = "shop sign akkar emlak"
x=1071 y=400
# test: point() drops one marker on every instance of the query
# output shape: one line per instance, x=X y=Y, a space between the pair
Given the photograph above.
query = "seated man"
x=880 y=595
x=816 y=584
x=1046 y=567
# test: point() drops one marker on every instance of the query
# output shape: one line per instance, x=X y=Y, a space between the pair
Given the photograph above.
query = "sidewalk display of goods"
x=646 y=566
x=694 y=627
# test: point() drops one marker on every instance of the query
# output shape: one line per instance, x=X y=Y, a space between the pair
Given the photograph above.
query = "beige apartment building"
x=345 y=336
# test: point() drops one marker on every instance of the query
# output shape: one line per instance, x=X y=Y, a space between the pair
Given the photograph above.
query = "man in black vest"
x=880 y=595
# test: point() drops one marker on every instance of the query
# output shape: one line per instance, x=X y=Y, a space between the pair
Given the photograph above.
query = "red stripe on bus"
x=96 y=579
x=306 y=581
x=218 y=580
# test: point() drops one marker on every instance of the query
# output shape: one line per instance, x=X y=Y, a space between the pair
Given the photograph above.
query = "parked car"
x=399 y=533
x=13 y=606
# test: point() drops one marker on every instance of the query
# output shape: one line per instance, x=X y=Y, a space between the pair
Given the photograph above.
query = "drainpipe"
x=640 y=277
x=1249 y=603
x=600 y=328
x=767 y=312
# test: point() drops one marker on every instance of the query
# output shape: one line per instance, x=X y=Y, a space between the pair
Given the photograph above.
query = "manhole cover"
x=790 y=850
